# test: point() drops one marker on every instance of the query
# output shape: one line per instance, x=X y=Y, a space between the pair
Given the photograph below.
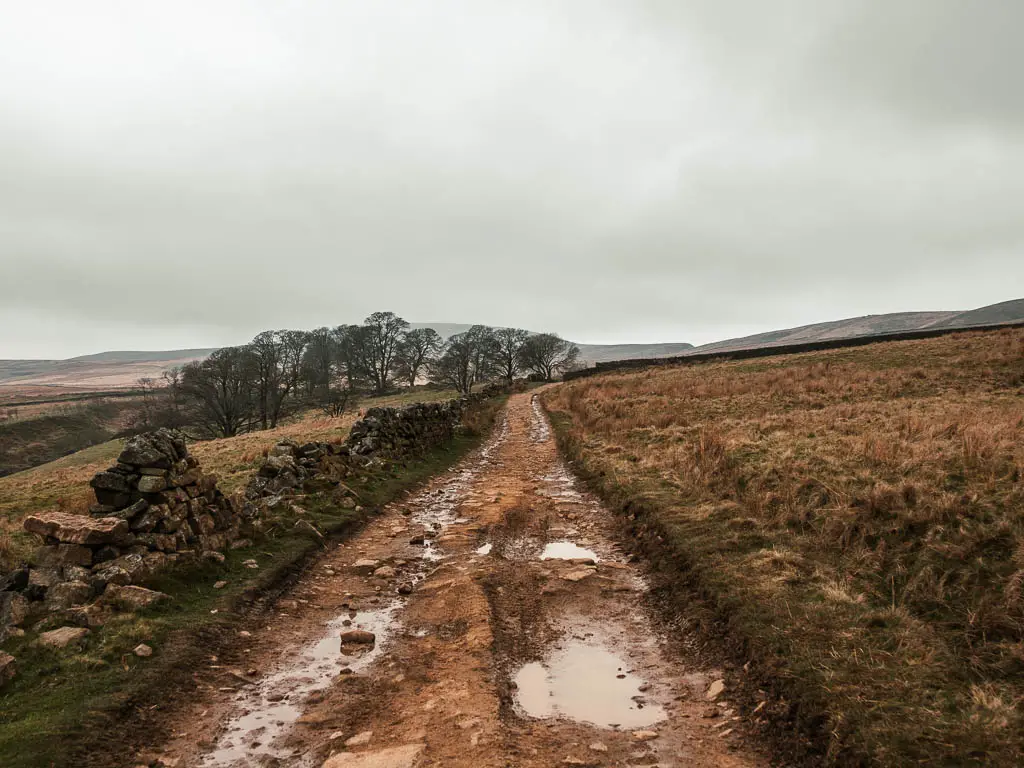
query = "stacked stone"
x=403 y=431
x=290 y=466
x=382 y=433
x=153 y=505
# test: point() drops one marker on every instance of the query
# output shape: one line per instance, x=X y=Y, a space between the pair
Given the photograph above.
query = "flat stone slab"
x=395 y=757
x=132 y=598
x=63 y=637
x=79 y=529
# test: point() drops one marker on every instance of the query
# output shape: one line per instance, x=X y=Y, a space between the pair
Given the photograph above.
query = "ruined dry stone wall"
x=382 y=433
x=154 y=506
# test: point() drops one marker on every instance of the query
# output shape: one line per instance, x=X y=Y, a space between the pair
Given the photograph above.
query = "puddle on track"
x=539 y=430
x=566 y=550
x=584 y=681
x=270 y=708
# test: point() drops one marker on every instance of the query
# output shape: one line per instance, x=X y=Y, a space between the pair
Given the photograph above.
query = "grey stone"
x=66 y=594
x=152 y=484
x=65 y=637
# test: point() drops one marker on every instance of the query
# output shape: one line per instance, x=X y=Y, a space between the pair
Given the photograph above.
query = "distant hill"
x=108 y=370
x=1003 y=312
x=868 y=325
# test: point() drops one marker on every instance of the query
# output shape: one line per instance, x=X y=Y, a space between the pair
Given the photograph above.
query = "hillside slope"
x=1003 y=312
x=868 y=325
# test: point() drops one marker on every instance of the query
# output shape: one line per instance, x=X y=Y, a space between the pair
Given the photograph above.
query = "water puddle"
x=566 y=550
x=539 y=431
x=271 y=706
x=584 y=681
x=561 y=486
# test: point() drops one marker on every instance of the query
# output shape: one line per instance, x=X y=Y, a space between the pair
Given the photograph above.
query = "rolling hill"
x=868 y=325
x=111 y=370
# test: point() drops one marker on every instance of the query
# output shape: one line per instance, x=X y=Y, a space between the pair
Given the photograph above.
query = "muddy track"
x=509 y=630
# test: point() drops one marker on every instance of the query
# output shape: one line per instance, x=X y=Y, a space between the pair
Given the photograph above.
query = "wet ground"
x=490 y=619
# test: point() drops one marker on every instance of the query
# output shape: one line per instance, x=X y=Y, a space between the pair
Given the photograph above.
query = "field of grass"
x=854 y=522
x=69 y=709
x=64 y=483
x=43 y=432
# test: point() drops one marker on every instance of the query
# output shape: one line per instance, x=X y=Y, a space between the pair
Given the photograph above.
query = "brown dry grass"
x=64 y=484
x=857 y=515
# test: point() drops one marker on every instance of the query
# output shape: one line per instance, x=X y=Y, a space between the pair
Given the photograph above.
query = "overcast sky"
x=185 y=174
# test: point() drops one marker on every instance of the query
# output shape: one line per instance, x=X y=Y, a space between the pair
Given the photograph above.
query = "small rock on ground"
x=395 y=757
x=63 y=637
x=359 y=739
x=715 y=690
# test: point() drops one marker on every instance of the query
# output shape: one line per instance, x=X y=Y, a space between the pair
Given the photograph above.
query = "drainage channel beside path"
x=489 y=619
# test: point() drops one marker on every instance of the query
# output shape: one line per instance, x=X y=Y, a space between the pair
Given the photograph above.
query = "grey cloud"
x=616 y=171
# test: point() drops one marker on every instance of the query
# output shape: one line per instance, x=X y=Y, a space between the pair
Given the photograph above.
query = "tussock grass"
x=857 y=518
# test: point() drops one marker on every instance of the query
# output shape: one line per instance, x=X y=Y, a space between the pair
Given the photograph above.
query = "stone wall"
x=382 y=433
x=154 y=506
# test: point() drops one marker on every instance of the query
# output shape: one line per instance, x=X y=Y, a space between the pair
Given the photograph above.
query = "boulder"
x=16 y=580
x=14 y=608
x=152 y=484
x=112 y=481
x=64 y=554
x=67 y=594
x=8 y=668
x=158 y=450
x=132 y=598
x=64 y=637
x=79 y=529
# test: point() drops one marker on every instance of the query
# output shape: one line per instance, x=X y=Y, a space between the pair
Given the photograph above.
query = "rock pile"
x=153 y=506
x=382 y=433
x=405 y=431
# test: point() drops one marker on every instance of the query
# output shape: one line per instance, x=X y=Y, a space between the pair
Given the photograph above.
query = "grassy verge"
x=88 y=708
x=851 y=523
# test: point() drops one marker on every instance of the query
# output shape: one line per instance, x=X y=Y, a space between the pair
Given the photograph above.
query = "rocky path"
x=487 y=620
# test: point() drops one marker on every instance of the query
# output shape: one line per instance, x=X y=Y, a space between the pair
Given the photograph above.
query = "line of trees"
x=239 y=389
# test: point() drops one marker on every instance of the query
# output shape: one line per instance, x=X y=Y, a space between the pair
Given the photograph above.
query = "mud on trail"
x=508 y=630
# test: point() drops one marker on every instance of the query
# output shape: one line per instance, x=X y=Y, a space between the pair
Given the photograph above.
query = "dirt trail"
x=510 y=631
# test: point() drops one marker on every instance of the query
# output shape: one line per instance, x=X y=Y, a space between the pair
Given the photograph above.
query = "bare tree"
x=454 y=368
x=319 y=360
x=161 y=402
x=468 y=358
x=484 y=352
x=221 y=391
x=415 y=351
x=510 y=343
x=384 y=332
x=547 y=354
x=354 y=351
